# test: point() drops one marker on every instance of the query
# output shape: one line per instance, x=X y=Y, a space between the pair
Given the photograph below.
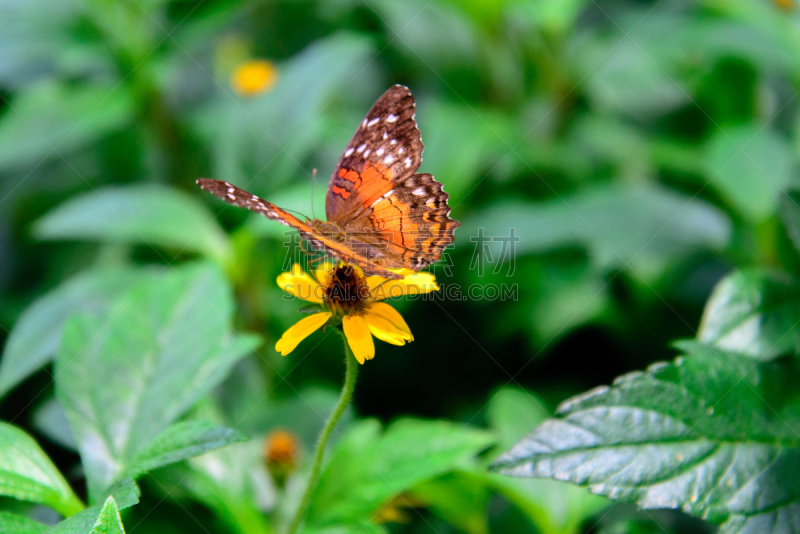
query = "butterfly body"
x=381 y=213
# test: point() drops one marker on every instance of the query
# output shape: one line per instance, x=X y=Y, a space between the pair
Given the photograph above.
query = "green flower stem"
x=322 y=442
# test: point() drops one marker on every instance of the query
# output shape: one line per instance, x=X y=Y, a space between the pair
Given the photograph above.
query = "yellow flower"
x=254 y=77
x=345 y=294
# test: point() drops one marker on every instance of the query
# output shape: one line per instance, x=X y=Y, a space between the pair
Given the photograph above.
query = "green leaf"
x=109 y=521
x=367 y=469
x=31 y=44
x=554 y=507
x=459 y=498
x=441 y=40
x=619 y=225
x=638 y=76
x=35 y=337
x=712 y=434
x=461 y=143
x=27 y=474
x=80 y=523
x=125 y=492
x=354 y=528
x=556 y=17
x=50 y=420
x=137 y=214
x=19 y=524
x=123 y=382
x=513 y=413
x=93 y=520
x=303 y=414
x=790 y=214
x=648 y=73
x=51 y=120
x=754 y=313
x=232 y=481
x=750 y=165
x=183 y=440
x=773 y=23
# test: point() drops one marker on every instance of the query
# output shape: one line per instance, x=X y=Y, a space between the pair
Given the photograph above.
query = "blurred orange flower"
x=281 y=448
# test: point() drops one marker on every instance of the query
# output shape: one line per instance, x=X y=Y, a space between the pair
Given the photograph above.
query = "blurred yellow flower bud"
x=254 y=77
x=281 y=451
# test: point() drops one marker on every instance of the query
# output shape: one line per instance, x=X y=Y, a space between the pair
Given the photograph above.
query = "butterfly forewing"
x=386 y=146
x=241 y=198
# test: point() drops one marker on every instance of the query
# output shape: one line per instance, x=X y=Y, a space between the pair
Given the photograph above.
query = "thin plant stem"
x=322 y=442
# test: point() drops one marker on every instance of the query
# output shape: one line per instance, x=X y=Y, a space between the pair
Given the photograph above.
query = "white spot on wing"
x=385 y=136
x=388 y=193
x=418 y=192
x=361 y=148
x=373 y=122
x=230 y=190
x=393 y=142
x=364 y=124
x=391 y=118
x=348 y=152
x=379 y=152
x=366 y=152
x=408 y=162
x=401 y=150
x=231 y=196
x=388 y=159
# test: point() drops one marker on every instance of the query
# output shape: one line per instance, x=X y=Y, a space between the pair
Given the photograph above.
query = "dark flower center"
x=346 y=290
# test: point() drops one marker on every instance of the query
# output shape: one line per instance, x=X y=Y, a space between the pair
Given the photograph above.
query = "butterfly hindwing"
x=411 y=223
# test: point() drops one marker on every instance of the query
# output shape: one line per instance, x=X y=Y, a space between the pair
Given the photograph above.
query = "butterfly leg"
x=316 y=260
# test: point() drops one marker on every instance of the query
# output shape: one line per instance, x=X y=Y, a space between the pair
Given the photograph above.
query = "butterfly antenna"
x=313 y=183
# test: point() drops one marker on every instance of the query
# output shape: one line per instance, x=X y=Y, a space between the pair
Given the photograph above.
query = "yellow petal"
x=412 y=284
x=385 y=330
x=300 y=284
x=359 y=337
x=381 y=309
x=299 y=331
x=323 y=272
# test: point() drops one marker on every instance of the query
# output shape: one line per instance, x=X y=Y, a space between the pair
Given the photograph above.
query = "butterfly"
x=381 y=213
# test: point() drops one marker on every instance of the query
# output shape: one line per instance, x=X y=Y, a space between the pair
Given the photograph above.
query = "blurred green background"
x=636 y=148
